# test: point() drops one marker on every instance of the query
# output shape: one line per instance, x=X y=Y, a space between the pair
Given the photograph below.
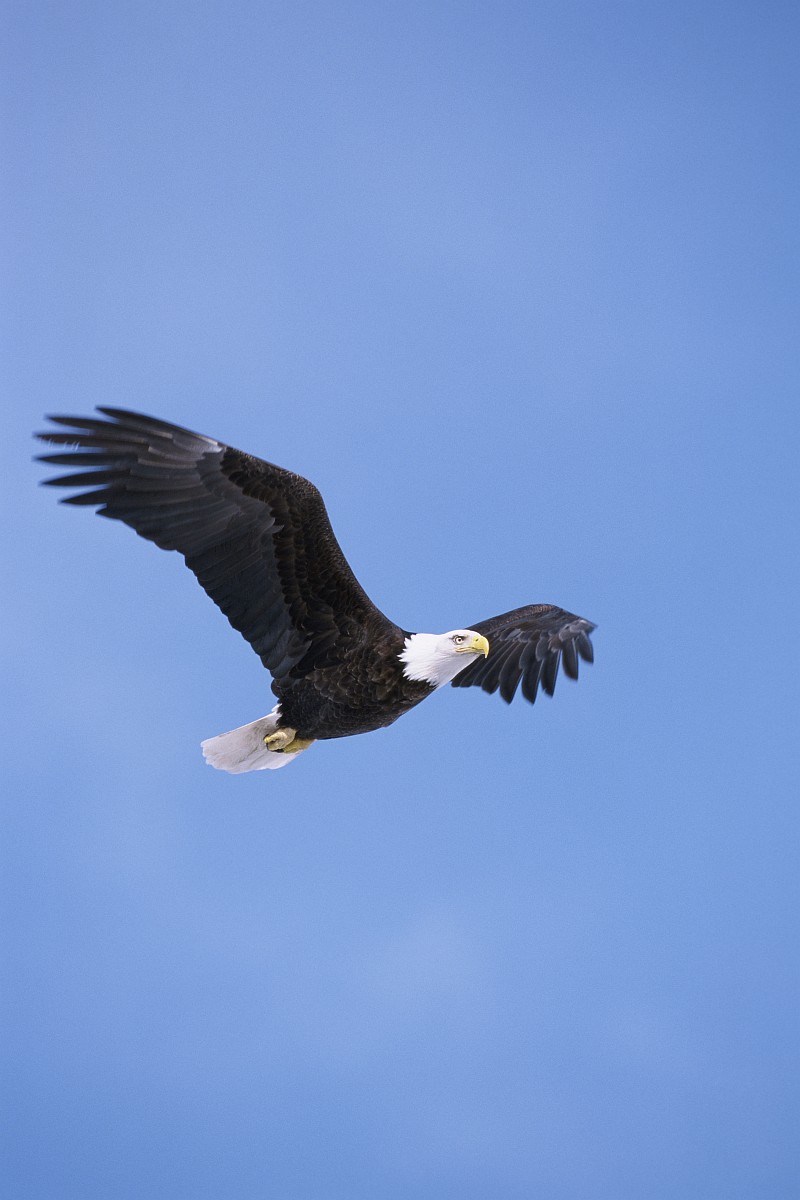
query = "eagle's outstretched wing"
x=256 y=536
x=527 y=645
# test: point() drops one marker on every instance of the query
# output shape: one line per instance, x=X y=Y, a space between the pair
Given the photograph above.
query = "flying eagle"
x=258 y=539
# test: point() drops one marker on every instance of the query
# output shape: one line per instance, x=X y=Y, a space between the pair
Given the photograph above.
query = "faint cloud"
x=355 y=1006
x=431 y=960
x=644 y=1037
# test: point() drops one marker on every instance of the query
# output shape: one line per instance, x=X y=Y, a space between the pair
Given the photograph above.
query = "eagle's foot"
x=286 y=741
x=280 y=739
x=299 y=744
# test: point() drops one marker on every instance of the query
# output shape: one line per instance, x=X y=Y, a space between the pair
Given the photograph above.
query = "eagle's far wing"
x=527 y=645
x=257 y=537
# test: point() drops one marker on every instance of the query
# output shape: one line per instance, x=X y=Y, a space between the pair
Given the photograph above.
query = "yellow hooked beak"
x=479 y=645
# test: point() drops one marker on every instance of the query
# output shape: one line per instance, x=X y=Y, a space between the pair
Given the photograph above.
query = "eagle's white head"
x=436 y=658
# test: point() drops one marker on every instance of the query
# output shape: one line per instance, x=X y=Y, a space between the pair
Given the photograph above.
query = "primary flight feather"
x=258 y=539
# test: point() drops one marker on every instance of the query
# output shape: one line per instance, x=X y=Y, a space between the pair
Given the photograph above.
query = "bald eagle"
x=258 y=539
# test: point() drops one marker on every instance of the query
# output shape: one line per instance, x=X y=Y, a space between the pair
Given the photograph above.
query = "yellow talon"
x=280 y=739
x=286 y=741
x=299 y=744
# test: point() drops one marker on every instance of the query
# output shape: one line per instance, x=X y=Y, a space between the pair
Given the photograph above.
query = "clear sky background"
x=516 y=285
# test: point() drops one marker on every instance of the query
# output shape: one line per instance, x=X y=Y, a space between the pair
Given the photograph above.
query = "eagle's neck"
x=427 y=658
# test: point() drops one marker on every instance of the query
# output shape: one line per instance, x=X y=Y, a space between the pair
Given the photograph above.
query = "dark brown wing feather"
x=527 y=645
x=256 y=536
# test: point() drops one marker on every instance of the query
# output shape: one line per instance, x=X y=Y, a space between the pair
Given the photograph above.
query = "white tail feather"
x=243 y=749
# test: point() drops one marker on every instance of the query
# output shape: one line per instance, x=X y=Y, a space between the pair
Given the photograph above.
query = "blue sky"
x=517 y=287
